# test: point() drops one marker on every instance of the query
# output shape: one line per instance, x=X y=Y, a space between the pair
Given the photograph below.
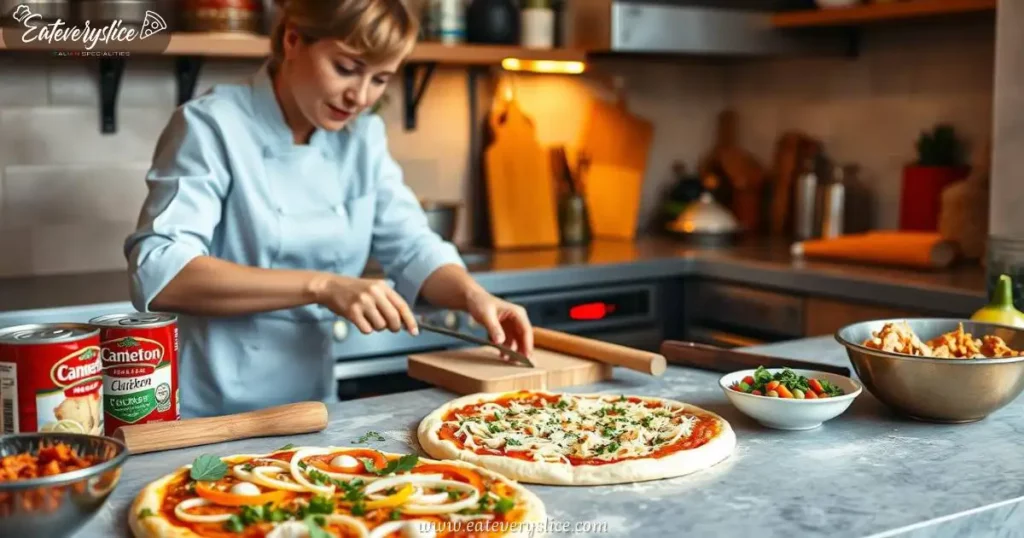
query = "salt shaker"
x=806 y=201
x=537 y=25
x=833 y=204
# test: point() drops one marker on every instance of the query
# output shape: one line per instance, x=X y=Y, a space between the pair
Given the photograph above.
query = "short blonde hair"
x=377 y=30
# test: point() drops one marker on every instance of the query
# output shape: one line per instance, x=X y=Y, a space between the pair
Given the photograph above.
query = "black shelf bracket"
x=853 y=42
x=111 y=72
x=415 y=86
x=186 y=73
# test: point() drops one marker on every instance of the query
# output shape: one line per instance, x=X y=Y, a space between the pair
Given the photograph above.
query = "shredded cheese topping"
x=593 y=428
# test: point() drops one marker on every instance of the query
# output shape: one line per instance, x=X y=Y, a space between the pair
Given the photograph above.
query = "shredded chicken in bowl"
x=900 y=338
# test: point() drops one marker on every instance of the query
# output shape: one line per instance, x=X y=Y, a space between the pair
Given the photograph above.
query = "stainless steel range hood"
x=722 y=27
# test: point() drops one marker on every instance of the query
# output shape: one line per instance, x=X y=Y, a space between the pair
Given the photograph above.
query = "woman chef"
x=266 y=200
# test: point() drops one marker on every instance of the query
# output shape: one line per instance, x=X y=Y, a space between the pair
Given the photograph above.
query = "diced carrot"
x=783 y=391
x=772 y=385
x=810 y=395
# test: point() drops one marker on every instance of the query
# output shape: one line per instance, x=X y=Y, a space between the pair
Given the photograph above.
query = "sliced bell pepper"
x=457 y=472
x=392 y=500
x=225 y=498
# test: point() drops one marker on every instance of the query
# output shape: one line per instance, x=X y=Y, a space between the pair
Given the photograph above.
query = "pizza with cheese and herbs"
x=577 y=439
x=332 y=492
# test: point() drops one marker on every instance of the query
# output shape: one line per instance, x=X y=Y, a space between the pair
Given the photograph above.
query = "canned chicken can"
x=139 y=353
x=51 y=379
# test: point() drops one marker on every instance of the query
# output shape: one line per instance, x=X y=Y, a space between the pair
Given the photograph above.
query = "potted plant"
x=940 y=162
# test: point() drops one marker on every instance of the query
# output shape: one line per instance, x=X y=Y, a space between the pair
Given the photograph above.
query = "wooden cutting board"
x=614 y=148
x=520 y=183
x=468 y=371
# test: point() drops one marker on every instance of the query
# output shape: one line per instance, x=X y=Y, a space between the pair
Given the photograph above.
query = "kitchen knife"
x=290 y=419
x=520 y=359
x=717 y=359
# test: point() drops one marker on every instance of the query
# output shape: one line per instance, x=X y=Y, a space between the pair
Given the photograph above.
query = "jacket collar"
x=268 y=111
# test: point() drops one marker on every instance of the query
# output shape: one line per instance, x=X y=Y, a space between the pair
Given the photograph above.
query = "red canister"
x=51 y=379
x=139 y=353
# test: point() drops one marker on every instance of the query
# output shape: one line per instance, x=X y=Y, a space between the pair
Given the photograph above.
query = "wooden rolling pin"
x=642 y=361
x=291 y=419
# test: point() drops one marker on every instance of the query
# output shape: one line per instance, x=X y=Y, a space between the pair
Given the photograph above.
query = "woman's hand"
x=506 y=323
x=369 y=304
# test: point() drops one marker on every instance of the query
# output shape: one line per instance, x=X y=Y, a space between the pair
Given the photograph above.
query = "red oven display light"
x=590 y=311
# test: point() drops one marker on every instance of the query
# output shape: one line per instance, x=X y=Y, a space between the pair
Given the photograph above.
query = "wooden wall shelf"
x=243 y=46
x=877 y=13
x=191 y=49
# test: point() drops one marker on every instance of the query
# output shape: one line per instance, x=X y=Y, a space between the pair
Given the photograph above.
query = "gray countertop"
x=865 y=473
x=767 y=264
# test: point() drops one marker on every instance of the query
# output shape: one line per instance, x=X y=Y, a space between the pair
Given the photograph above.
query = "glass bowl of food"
x=51 y=483
x=937 y=369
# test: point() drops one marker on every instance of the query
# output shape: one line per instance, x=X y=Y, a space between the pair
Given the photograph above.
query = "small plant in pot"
x=940 y=162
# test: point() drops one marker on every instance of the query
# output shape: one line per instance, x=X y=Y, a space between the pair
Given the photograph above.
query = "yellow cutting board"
x=468 y=371
x=520 y=184
x=615 y=145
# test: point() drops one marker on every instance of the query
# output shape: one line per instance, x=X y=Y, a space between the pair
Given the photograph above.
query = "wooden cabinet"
x=825 y=316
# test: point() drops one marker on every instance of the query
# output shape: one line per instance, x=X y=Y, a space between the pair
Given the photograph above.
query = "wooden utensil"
x=290 y=419
x=644 y=362
x=716 y=359
x=915 y=250
x=520 y=183
x=615 y=145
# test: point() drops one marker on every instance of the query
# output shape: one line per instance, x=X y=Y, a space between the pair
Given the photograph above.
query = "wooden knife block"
x=468 y=371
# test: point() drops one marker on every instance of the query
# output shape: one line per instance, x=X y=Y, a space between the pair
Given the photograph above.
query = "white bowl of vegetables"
x=788 y=399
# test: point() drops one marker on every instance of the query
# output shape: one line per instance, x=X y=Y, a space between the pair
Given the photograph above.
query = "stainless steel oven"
x=375 y=364
x=730 y=316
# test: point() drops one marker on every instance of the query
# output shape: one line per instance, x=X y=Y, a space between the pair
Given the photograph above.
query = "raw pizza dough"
x=149 y=518
x=547 y=453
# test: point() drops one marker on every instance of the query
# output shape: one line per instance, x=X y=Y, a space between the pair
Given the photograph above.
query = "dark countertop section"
x=763 y=264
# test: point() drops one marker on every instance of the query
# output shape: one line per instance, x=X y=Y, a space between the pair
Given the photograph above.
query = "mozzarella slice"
x=344 y=460
x=245 y=488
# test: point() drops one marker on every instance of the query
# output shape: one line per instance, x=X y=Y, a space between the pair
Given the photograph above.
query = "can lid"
x=46 y=333
x=135 y=319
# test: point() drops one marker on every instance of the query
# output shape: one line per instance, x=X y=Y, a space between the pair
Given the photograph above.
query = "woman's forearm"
x=450 y=286
x=208 y=286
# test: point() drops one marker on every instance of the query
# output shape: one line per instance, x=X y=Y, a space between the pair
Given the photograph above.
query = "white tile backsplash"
x=22 y=83
x=71 y=135
x=71 y=248
x=35 y=196
x=58 y=172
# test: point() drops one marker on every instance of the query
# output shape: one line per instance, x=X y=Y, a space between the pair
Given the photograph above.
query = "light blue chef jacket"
x=228 y=181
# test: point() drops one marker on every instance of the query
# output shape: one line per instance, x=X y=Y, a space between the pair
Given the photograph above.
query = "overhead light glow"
x=544 y=66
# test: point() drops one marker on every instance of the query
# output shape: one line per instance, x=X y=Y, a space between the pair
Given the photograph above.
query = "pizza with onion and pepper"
x=577 y=439
x=332 y=492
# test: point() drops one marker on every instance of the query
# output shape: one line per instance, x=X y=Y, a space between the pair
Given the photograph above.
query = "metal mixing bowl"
x=58 y=506
x=937 y=390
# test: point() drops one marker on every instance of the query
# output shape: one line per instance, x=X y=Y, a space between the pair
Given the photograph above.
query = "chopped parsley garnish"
x=314 y=524
x=320 y=505
x=370 y=436
x=504 y=504
x=404 y=463
x=146 y=512
x=289 y=446
x=493 y=428
x=234 y=524
x=395 y=514
x=358 y=508
x=513 y=442
x=247 y=467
